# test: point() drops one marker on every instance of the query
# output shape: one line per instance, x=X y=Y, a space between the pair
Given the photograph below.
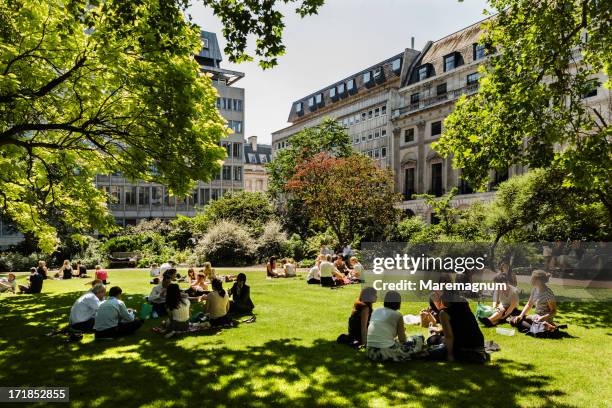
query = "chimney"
x=412 y=42
x=253 y=141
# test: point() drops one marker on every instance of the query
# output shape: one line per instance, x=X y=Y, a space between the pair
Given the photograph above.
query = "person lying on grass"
x=542 y=299
x=83 y=311
x=505 y=303
x=463 y=341
x=8 y=284
x=113 y=319
x=240 y=293
x=386 y=337
x=360 y=319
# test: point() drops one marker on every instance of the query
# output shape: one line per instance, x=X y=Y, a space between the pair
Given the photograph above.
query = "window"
x=363 y=116
x=156 y=195
x=218 y=103
x=263 y=158
x=409 y=183
x=414 y=98
x=383 y=133
x=332 y=92
x=319 y=98
x=370 y=136
x=473 y=78
x=376 y=153
x=376 y=112
x=237 y=173
x=376 y=134
x=591 y=89
x=363 y=137
x=215 y=194
x=144 y=195
x=436 y=128
x=350 y=85
x=351 y=120
x=441 y=89
x=227 y=173
x=423 y=72
x=311 y=102
x=237 y=105
x=370 y=114
x=449 y=62
x=383 y=152
x=205 y=44
x=252 y=158
x=237 y=149
x=378 y=73
x=479 y=51
x=367 y=77
x=130 y=195
x=396 y=65
x=436 y=179
x=341 y=89
x=356 y=140
x=383 y=110
x=409 y=135
x=299 y=107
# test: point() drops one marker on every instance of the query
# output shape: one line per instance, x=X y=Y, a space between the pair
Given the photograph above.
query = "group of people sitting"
x=454 y=333
x=332 y=271
x=286 y=269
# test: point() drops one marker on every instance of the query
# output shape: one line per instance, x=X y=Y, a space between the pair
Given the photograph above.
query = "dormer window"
x=319 y=99
x=423 y=72
x=311 y=102
x=341 y=89
x=350 y=86
x=299 y=107
x=378 y=73
x=333 y=94
x=367 y=78
x=396 y=65
x=449 y=62
x=479 y=51
x=205 y=43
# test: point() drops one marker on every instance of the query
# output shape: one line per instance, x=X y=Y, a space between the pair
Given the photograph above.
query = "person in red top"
x=101 y=274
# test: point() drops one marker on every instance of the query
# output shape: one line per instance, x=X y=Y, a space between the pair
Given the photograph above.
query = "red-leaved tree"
x=350 y=195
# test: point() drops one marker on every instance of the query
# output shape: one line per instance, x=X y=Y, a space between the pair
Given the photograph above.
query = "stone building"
x=256 y=156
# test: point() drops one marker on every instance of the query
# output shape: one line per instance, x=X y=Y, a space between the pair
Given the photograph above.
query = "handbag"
x=145 y=311
x=484 y=310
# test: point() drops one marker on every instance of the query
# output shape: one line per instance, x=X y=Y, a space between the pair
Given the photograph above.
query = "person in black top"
x=36 y=283
x=81 y=269
x=359 y=319
x=240 y=293
x=66 y=270
x=463 y=340
x=42 y=269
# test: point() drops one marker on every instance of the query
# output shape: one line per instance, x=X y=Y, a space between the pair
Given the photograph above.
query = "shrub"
x=143 y=242
x=91 y=253
x=273 y=241
x=226 y=243
x=252 y=209
x=15 y=262
x=314 y=243
x=296 y=247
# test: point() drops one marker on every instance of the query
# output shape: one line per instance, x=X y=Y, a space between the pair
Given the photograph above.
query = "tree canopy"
x=532 y=107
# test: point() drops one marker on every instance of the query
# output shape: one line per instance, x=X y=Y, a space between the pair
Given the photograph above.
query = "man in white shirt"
x=157 y=297
x=83 y=312
x=8 y=285
x=113 y=319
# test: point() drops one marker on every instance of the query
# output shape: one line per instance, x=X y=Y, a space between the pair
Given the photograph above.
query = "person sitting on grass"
x=101 y=274
x=35 y=285
x=360 y=319
x=65 y=271
x=83 y=311
x=463 y=340
x=191 y=276
x=330 y=276
x=217 y=305
x=154 y=272
x=341 y=265
x=240 y=293
x=178 y=307
x=157 y=297
x=505 y=303
x=386 y=337
x=199 y=287
x=271 y=271
x=356 y=271
x=289 y=268
x=542 y=299
x=8 y=284
x=81 y=270
x=42 y=269
x=314 y=274
x=113 y=319
x=209 y=271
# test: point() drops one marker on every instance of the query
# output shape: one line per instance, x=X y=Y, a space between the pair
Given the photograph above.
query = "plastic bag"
x=145 y=311
x=484 y=310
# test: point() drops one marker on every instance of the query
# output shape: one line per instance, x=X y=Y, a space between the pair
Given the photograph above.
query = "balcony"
x=436 y=100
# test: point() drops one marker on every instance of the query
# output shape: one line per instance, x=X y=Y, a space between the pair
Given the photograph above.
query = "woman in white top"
x=289 y=268
x=356 y=273
x=505 y=302
x=386 y=340
x=314 y=274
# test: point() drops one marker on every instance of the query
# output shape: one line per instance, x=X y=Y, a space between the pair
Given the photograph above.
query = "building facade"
x=362 y=102
x=131 y=201
x=256 y=156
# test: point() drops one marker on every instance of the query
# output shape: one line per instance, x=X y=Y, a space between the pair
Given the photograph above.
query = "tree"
x=350 y=195
x=531 y=107
x=251 y=209
x=442 y=208
x=90 y=87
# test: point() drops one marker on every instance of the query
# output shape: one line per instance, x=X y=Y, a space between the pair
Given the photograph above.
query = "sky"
x=345 y=37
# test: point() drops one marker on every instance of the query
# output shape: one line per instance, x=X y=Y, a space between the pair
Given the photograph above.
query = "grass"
x=289 y=357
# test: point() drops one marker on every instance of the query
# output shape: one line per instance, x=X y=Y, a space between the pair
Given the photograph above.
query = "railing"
x=435 y=100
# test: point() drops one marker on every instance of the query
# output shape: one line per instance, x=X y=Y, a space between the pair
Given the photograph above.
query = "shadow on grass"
x=586 y=314
x=146 y=369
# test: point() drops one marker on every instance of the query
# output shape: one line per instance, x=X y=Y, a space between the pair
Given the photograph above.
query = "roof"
x=212 y=51
x=388 y=74
x=262 y=149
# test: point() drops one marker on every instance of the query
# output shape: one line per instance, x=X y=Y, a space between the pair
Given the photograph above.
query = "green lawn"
x=289 y=357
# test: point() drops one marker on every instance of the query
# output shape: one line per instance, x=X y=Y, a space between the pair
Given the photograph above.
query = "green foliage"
x=530 y=108
x=91 y=253
x=329 y=137
x=316 y=241
x=15 y=262
x=410 y=227
x=225 y=243
x=263 y=20
x=296 y=247
x=146 y=241
x=181 y=232
x=442 y=208
x=92 y=88
x=273 y=241
x=252 y=209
